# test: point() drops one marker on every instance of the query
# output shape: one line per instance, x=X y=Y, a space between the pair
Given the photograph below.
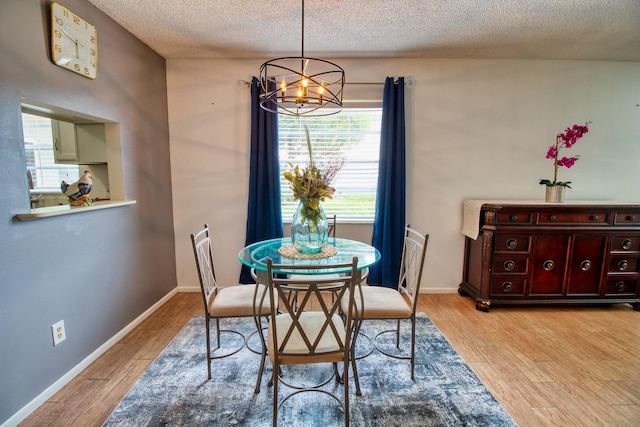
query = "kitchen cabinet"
x=64 y=141
x=79 y=143
x=541 y=253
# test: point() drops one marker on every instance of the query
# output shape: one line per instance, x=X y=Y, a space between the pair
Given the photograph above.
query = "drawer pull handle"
x=509 y=265
x=552 y=217
x=626 y=245
x=585 y=265
x=593 y=217
x=514 y=217
x=507 y=286
x=512 y=243
x=620 y=286
x=623 y=265
x=548 y=265
x=632 y=218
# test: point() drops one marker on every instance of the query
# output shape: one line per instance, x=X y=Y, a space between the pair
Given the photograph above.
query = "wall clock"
x=74 y=42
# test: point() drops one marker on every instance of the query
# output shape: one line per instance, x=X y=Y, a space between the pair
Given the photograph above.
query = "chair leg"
x=345 y=374
x=352 y=356
x=207 y=320
x=398 y=335
x=263 y=356
x=276 y=381
x=413 y=346
x=217 y=333
x=356 y=379
x=339 y=378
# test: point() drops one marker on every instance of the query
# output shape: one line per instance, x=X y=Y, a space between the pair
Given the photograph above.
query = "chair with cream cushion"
x=224 y=302
x=387 y=303
x=314 y=330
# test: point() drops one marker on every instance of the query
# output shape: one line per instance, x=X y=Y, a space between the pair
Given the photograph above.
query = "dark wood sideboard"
x=560 y=253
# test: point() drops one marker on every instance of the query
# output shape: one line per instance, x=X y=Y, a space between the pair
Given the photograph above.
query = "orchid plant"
x=564 y=140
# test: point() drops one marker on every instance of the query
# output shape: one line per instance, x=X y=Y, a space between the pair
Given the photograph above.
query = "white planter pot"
x=554 y=194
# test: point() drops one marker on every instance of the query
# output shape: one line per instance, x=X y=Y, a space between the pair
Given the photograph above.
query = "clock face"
x=74 y=42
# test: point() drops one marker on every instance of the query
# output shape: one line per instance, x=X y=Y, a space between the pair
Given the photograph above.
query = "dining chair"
x=314 y=330
x=382 y=303
x=225 y=302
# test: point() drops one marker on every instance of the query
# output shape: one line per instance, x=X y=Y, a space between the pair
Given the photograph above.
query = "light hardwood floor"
x=548 y=366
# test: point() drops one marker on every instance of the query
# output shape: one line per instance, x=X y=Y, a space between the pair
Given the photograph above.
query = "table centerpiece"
x=311 y=185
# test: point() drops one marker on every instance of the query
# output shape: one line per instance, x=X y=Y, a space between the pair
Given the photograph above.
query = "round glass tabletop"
x=256 y=254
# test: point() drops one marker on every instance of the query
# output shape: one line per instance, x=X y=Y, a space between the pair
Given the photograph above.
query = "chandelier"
x=300 y=86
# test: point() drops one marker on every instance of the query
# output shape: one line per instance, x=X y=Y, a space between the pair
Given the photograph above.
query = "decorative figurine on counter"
x=78 y=192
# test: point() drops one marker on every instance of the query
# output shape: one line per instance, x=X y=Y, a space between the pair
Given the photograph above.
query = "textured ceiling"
x=520 y=29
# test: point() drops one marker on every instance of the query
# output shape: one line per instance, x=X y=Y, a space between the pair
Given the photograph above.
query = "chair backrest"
x=414 y=250
x=331 y=220
x=314 y=299
x=204 y=262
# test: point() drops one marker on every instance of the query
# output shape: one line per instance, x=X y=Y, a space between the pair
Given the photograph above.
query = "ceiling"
x=509 y=29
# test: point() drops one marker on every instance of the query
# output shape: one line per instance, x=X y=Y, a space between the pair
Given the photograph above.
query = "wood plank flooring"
x=548 y=366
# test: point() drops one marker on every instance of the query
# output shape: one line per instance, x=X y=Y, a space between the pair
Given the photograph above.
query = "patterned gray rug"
x=174 y=390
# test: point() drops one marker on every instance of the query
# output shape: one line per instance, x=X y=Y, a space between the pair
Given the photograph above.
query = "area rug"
x=174 y=390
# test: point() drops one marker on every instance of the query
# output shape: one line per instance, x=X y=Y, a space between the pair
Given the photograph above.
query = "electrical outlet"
x=58 y=333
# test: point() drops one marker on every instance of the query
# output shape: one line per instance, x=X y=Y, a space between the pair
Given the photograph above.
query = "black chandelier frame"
x=301 y=86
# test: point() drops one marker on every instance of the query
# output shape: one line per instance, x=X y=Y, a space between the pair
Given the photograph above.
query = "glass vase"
x=309 y=229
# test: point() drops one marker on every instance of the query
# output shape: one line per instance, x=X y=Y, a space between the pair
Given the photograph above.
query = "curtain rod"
x=407 y=83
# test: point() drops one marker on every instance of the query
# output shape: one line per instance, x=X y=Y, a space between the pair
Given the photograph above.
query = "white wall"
x=475 y=129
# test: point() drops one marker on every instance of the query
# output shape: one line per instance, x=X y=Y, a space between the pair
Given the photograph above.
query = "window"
x=354 y=135
x=45 y=174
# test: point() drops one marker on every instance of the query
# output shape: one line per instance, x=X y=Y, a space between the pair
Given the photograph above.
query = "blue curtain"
x=389 y=222
x=264 y=214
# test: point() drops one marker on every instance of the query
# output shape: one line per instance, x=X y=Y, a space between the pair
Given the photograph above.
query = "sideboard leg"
x=483 y=305
x=636 y=306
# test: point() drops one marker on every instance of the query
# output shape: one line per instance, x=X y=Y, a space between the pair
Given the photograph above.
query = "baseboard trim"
x=28 y=409
x=432 y=290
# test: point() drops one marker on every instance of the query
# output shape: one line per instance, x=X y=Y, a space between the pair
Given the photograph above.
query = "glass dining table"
x=255 y=255
x=282 y=253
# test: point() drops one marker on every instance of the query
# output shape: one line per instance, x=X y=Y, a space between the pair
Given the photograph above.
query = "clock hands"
x=76 y=42
x=69 y=35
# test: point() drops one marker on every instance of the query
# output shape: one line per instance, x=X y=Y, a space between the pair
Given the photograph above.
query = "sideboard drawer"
x=627 y=218
x=625 y=243
x=515 y=217
x=622 y=264
x=508 y=286
x=621 y=287
x=511 y=243
x=548 y=218
x=509 y=264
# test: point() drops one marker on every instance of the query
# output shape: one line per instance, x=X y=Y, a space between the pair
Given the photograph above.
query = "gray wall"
x=96 y=270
